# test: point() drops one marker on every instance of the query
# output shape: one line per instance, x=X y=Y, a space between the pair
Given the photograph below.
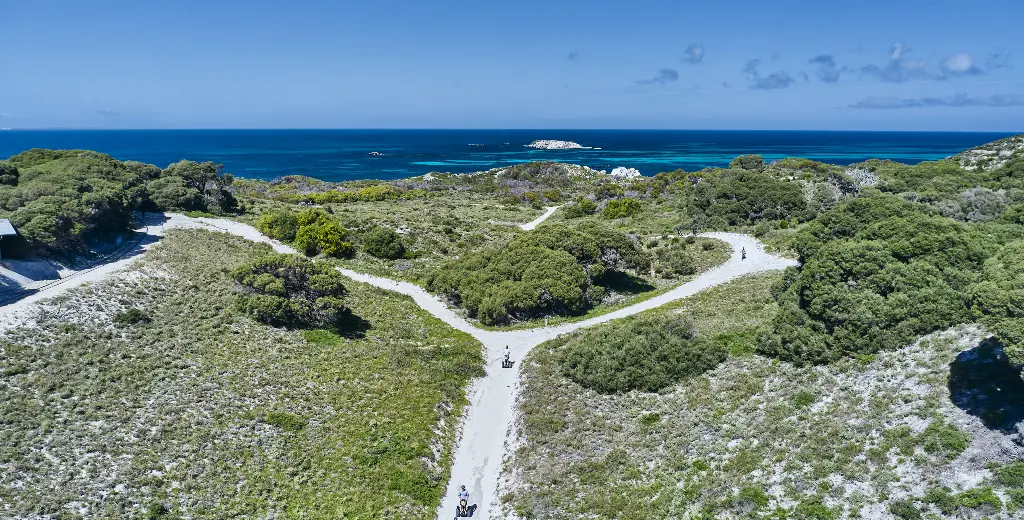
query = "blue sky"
x=866 y=65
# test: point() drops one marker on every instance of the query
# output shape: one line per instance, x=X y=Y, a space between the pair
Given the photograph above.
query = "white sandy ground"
x=529 y=226
x=17 y=313
x=486 y=425
x=484 y=434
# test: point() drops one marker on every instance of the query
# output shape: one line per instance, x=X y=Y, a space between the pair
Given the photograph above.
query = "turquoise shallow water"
x=338 y=155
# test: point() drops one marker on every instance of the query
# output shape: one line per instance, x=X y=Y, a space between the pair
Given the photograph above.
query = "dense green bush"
x=286 y=421
x=645 y=353
x=748 y=162
x=8 y=174
x=189 y=185
x=58 y=198
x=580 y=207
x=375 y=193
x=279 y=225
x=904 y=510
x=673 y=260
x=621 y=208
x=543 y=173
x=291 y=291
x=173 y=193
x=1011 y=475
x=797 y=163
x=738 y=197
x=998 y=299
x=944 y=439
x=318 y=233
x=555 y=269
x=384 y=243
x=131 y=316
x=876 y=274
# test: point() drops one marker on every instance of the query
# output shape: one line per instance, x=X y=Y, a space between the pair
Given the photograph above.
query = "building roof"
x=6 y=229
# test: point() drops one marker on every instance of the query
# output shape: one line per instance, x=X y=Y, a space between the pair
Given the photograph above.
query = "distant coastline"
x=337 y=155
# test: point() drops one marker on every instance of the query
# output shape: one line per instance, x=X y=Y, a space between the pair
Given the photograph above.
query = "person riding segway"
x=507 y=362
x=463 y=507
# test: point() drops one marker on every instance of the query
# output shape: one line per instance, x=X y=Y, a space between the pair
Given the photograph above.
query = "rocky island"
x=547 y=144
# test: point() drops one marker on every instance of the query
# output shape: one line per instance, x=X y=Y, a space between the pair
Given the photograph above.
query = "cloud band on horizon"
x=955 y=100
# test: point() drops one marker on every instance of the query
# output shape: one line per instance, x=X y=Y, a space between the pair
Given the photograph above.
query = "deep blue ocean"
x=337 y=155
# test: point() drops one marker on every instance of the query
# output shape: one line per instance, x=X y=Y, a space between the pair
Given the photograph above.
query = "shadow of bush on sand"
x=983 y=383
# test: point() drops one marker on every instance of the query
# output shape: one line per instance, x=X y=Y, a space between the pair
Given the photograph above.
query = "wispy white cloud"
x=955 y=100
x=694 y=53
x=773 y=81
x=827 y=69
x=662 y=77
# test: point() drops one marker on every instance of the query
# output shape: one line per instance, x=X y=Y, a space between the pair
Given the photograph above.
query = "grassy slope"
x=213 y=415
x=752 y=438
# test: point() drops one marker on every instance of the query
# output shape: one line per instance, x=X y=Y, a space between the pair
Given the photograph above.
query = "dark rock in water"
x=983 y=383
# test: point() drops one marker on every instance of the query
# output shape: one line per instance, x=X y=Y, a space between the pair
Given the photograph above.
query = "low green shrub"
x=581 y=207
x=649 y=419
x=291 y=291
x=980 y=498
x=674 y=261
x=1016 y=497
x=285 y=421
x=813 y=509
x=384 y=243
x=279 y=225
x=944 y=439
x=646 y=353
x=1011 y=475
x=941 y=498
x=904 y=510
x=131 y=316
x=804 y=398
x=621 y=208
x=748 y=162
x=319 y=233
x=751 y=498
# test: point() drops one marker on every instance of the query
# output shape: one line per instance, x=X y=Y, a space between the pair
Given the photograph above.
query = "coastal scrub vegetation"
x=60 y=199
x=644 y=353
x=319 y=233
x=754 y=438
x=290 y=291
x=553 y=270
x=203 y=412
x=998 y=298
x=384 y=243
x=876 y=273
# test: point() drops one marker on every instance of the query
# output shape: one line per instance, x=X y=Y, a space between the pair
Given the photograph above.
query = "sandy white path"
x=486 y=424
x=16 y=313
x=533 y=224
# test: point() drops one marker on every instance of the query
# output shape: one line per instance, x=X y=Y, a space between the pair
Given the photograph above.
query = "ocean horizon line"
x=427 y=129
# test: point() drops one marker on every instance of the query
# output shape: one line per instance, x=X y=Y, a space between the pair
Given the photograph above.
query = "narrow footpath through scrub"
x=486 y=426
